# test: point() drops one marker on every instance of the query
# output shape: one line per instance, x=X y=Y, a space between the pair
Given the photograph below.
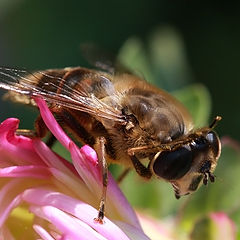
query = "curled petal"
x=52 y=124
x=15 y=150
x=88 y=171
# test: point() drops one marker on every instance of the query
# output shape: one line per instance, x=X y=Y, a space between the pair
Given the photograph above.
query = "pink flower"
x=215 y=225
x=45 y=197
x=224 y=227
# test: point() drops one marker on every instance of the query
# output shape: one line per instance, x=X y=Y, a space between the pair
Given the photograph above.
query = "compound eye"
x=172 y=165
x=214 y=142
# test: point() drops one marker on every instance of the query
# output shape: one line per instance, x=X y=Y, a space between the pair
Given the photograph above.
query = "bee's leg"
x=123 y=175
x=140 y=168
x=51 y=140
x=26 y=132
x=100 y=149
x=40 y=129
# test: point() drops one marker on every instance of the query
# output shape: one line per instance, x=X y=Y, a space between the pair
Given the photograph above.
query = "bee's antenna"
x=215 y=121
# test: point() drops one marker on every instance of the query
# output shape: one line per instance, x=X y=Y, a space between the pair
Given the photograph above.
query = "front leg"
x=39 y=131
x=140 y=168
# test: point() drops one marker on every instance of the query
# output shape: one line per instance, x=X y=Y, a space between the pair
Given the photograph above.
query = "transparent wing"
x=102 y=59
x=51 y=86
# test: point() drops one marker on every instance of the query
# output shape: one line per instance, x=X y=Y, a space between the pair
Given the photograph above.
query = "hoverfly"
x=126 y=120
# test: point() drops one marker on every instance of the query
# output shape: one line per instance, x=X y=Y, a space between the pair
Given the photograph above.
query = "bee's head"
x=190 y=163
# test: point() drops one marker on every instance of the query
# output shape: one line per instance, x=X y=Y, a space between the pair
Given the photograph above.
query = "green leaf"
x=59 y=149
x=133 y=56
x=196 y=99
x=168 y=58
x=214 y=226
x=202 y=230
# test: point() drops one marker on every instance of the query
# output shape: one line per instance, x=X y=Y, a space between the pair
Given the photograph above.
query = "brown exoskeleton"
x=126 y=120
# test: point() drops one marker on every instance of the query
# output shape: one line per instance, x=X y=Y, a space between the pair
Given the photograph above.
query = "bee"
x=126 y=120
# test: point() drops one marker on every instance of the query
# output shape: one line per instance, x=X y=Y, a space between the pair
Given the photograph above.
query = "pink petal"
x=52 y=124
x=76 y=208
x=51 y=159
x=86 y=169
x=155 y=228
x=16 y=150
x=132 y=232
x=116 y=196
x=64 y=238
x=42 y=232
x=121 y=204
x=11 y=205
x=64 y=139
x=6 y=234
x=7 y=130
x=67 y=224
x=25 y=171
x=91 y=156
x=73 y=186
x=225 y=227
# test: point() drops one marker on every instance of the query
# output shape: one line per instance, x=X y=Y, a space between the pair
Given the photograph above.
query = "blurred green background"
x=47 y=34
x=191 y=48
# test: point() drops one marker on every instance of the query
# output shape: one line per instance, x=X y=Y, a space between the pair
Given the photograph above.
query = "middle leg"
x=101 y=152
